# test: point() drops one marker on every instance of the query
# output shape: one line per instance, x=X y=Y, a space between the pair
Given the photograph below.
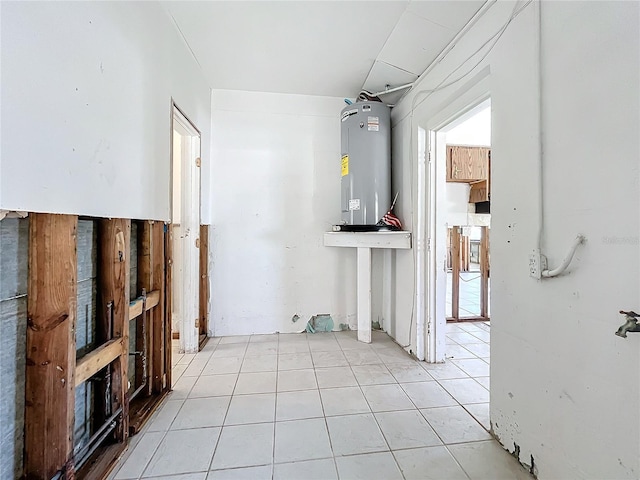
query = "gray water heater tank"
x=366 y=164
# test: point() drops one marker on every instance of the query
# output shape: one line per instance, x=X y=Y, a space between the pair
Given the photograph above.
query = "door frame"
x=429 y=144
x=190 y=194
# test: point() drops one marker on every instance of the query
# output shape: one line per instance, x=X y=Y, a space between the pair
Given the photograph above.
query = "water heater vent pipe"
x=391 y=90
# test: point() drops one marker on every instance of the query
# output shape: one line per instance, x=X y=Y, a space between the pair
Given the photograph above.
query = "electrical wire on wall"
x=445 y=83
x=537 y=261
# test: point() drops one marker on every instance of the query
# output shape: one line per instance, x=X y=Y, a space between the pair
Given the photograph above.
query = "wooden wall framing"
x=152 y=338
x=455 y=272
x=203 y=323
x=459 y=258
x=51 y=349
x=113 y=288
x=52 y=369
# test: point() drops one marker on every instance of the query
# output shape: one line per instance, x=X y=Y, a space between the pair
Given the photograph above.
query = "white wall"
x=86 y=107
x=457 y=203
x=474 y=130
x=275 y=190
x=564 y=389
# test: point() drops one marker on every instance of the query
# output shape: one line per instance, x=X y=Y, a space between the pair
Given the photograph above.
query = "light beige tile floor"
x=324 y=407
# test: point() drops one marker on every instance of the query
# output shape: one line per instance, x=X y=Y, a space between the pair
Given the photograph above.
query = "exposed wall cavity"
x=85 y=323
x=14 y=246
x=133 y=294
x=133 y=257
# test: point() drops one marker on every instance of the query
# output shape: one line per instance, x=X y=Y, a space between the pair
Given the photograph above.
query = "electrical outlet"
x=537 y=263
x=534 y=265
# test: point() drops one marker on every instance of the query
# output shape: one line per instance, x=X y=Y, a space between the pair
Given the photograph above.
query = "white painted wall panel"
x=563 y=387
x=86 y=107
x=275 y=191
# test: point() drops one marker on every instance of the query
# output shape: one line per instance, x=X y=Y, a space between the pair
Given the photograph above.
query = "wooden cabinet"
x=467 y=164
x=479 y=191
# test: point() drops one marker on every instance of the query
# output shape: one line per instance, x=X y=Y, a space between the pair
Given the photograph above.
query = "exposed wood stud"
x=455 y=272
x=143 y=325
x=484 y=272
x=145 y=277
x=204 y=279
x=114 y=261
x=168 y=249
x=157 y=317
x=51 y=349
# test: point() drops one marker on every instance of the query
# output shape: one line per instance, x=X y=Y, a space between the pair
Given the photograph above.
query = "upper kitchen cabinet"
x=467 y=164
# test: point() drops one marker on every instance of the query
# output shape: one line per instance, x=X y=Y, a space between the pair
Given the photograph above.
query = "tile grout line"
x=324 y=416
x=193 y=386
x=166 y=432
x=317 y=388
x=446 y=445
x=215 y=448
x=375 y=419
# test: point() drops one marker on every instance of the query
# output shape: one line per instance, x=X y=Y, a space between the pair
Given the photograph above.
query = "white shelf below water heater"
x=364 y=242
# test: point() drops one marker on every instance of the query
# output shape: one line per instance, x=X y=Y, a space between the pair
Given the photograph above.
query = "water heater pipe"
x=396 y=89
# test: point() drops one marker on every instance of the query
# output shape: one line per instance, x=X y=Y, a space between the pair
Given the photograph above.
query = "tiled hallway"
x=324 y=406
x=469 y=294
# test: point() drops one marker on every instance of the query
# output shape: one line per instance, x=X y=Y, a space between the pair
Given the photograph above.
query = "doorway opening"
x=187 y=250
x=458 y=262
x=467 y=213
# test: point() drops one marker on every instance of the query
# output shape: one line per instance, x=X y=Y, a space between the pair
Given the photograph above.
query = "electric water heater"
x=365 y=165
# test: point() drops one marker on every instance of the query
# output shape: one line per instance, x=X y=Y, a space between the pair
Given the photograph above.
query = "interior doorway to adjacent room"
x=458 y=222
x=467 y=213
x=186 y=265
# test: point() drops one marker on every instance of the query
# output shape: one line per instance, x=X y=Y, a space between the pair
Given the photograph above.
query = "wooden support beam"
x=158 y=318
x=97 y=359
x=144 y=335
x=484 y=272
x=113 y=287
x=465 y=253
x=455 y=272
x=139 y=322
x=135 y=307
x=51 y=348
x=168 y=307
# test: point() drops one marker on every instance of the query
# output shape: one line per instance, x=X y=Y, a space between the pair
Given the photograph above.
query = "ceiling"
x=333 y=48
